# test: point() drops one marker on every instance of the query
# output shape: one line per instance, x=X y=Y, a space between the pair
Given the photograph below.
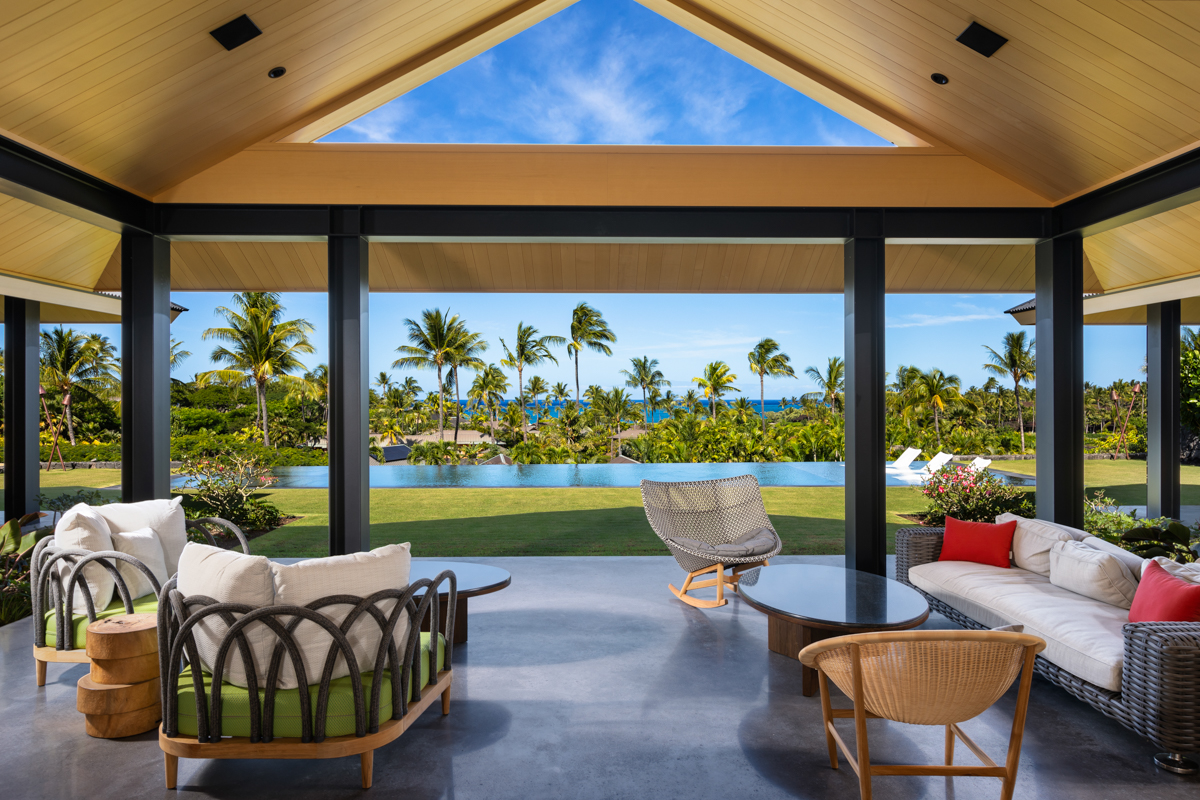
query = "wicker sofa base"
x=177 y=747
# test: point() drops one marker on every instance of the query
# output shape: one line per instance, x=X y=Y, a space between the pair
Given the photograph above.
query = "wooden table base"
x=460 y=619
x=789 y=638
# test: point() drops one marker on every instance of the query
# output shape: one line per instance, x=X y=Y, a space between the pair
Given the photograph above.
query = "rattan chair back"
x=716 y=511
x=925 y=677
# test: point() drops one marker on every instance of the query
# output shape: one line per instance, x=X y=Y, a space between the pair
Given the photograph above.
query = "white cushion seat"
x=1083 y=636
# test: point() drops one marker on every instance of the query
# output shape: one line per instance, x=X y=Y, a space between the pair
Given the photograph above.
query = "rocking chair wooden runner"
x=711 y=526
x=924 y=678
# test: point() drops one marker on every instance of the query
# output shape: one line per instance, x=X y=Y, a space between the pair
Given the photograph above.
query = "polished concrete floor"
x=586 y=679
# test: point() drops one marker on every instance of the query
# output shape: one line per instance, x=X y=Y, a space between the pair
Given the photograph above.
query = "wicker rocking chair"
x=924 y=678
x=711 y=526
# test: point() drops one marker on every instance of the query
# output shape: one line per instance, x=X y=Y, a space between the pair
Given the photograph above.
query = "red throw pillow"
x=981 y=542
x=1161 y=597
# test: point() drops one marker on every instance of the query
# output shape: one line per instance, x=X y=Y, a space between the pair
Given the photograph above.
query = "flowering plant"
x=974 y=496
x=224 y=484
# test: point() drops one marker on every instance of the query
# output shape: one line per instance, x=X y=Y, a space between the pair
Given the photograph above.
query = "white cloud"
x=928 y=320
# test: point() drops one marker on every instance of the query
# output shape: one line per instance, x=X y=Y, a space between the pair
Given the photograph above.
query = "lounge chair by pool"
x=906 y=459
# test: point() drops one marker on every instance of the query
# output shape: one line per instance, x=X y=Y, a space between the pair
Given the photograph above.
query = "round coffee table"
x=806 y=603
x=471 y=580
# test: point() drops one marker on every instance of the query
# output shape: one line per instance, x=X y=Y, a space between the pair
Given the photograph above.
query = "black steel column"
x=349 y=489
x=866 y=529
x=145 y=367
x=22 y=407
x=1059 y=266
x=1162 y=419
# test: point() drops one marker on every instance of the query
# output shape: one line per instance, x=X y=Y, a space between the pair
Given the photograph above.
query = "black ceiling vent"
x=241 y=30
x=980 y=39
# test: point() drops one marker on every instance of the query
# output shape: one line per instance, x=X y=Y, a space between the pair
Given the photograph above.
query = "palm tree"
x=934 y=389
x=73 y=362
x=1017 y=361
x=464 y=353
x=831 y=383
x=692 y=401
x=989 y=387
x=716 y=381
x=384 y=383
x=431 y=341
x=535 y=389
x=559 y=391
x=488 y=388
x=528 y=350
x=261 y=346
x=178 y=354
x=314 y=386
x=767 y=359
x=588 y=329
x=645 y=375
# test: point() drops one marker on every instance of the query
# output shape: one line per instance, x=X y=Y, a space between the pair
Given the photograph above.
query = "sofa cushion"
x=82 y=527
x=1084 y=570
x=1131 y=560
x=229 y=577
x=980 y=542
x=1163 y=597
x=1187 y=572
x=79 y=622
x=756 y=542
x=1083 y=636
x=164 y=517
x=358 y=574
x=145 y=547
x=1033 y=539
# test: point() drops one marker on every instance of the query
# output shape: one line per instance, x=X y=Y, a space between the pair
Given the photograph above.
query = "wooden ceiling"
x=51 y=247
x=1162 y=247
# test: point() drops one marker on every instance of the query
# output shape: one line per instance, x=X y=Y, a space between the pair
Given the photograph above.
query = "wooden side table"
x=121 y=695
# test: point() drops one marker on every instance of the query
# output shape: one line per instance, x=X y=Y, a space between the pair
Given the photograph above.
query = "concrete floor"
x=586 y=679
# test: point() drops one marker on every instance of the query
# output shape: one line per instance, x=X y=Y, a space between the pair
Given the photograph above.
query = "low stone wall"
x=90 y=465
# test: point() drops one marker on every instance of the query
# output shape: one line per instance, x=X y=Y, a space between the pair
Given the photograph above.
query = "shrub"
x=224 y=484
x=15 y=548
x=960 y=492
x=64 y=502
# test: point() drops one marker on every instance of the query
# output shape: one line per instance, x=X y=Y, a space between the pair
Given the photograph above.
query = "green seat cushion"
x=148 y=604
x=339 y=716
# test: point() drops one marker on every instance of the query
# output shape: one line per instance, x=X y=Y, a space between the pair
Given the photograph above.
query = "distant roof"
x=176 y=309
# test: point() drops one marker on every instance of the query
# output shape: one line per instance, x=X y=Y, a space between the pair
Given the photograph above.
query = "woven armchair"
x=54 y=598
x=1159 y=697
x=924 y=678
x=711 y=526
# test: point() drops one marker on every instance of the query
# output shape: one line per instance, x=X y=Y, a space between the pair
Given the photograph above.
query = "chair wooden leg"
x=171 y=768
x=860 y=727
x=367 y=760
x=40 y=666
x=1018 y=727
x=688 y=585
x=720 y=584
x=446 y=701
x=949 y=745
x=827 y=717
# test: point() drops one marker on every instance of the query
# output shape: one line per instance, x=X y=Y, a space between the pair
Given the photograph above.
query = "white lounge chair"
x=980 y=464
x=906 y=459
x=939 y=461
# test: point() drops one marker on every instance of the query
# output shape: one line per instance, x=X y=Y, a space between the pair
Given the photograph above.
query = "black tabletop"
x=831 y=596
x=472 y=579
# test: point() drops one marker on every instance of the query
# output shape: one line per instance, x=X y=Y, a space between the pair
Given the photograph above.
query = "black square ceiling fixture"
x=236 y=33
x=980 y=39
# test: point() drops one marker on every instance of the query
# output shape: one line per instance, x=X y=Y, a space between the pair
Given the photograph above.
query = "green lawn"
x=528 y=522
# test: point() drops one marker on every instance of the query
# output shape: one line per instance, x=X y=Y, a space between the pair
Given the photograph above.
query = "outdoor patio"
x=586 y=678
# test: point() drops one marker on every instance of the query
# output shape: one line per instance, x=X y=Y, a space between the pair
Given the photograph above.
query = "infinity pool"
x=809 y=473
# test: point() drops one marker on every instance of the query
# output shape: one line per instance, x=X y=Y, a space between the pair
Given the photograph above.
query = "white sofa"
x=1146 y=675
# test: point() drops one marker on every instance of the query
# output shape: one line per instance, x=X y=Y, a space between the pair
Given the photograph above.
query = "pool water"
x=807 y=473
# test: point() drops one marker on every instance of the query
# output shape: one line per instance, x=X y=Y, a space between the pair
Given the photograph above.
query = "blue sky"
x=611 y=71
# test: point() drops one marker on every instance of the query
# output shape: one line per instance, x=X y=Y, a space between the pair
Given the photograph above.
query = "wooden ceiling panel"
x=48 y=246
x=1159 y=248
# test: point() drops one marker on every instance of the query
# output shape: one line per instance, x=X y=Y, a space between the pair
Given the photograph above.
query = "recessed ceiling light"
x=984 y=41
x=236 y=33
x=939 y=79
x=277 y=72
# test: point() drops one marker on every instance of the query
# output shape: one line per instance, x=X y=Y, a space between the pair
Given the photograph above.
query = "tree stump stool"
x=121 y=697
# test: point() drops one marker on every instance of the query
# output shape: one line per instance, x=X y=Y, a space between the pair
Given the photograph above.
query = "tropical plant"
x=716 y=381
x=933 y=390
x=767 y=359
x=465 y=353
x=177 y=356
x=76 y=363
x=384 y=383
x=488 y=390
x=645 y=376
x=535 y=389
x=831 y=383
x=1168 y=539
x=560 y=392
x=15 y=548
x=431 y=342
x=224 y=484
x=958 y=491
x=588 y=329
x=528 y=350
x=261 y=346
x=1016 y=361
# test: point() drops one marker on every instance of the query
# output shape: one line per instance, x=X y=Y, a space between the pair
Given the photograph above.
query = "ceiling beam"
x=54 y=294
x=36 y=178
x=1163 y=187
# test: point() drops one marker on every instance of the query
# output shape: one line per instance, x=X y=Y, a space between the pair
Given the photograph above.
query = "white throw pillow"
x=144 y=546
x=164 y=517
x=1092 y=573
x=358 y=574
x=229 y=577
x=1032 y=541
x=83 y=528
x=1187 y=572
x=1131 y=560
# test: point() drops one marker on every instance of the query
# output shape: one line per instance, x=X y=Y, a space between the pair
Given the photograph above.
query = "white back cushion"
x=1084 y=570
x=1032 y=541
x=229 y=577
x=83 y=528
x=1131 y=560
x=164 y=517
x=358 y=574
x=144 y=546
x=1187 y=572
